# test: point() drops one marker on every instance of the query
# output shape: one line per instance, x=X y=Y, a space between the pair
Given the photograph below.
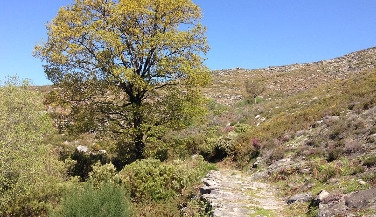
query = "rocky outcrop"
x=329 y=205
x=303 y=197
x=361 y=199
x=228 y=84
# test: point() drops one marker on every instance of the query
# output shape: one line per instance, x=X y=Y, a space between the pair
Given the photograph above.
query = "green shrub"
x=152 y=180
x=107 y=200
x=349 y=167
x=29 y=170
x=323 y=171
x=241 y=128
x=334 y=154
x=216 y=149
x=84 y=164
x=103 y=173
x=369 y=161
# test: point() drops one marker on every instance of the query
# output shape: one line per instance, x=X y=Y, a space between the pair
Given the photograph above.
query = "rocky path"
x=233 y=193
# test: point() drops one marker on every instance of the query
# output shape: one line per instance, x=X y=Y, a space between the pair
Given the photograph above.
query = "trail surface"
x=233 y=193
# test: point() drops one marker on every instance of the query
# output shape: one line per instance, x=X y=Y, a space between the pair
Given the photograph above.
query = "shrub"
x=215 y=149
x=276 y=155
x=103 y=173
x=152 y=180
x=323 y=171
x=29 y=170
x=334 y=154
x=107 y=200
x=241 y=128
x=84 y=163
x=369 y=161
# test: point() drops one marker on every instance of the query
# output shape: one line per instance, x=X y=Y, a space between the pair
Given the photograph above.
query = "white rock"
x=82 y=148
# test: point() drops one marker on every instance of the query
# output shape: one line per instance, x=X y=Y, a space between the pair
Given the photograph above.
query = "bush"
x=323 y=171
x=107 y=200
x=276 y=155
x=152 y=180
x=103 y=173
x=334 y=154
x=85 y=161
x=241 y=128
x=29 y=170
x=218 y=148
x=369 y=161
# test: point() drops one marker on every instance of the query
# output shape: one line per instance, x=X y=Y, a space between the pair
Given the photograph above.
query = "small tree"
x=253 y=89
x=127 y=68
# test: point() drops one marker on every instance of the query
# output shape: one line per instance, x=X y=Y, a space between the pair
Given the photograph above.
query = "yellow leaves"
x=132 y=40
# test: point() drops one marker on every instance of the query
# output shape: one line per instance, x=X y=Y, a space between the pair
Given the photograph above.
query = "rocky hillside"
x=228 y=85
x=311 y=133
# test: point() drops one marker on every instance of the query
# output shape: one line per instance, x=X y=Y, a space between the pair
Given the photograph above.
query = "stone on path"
x=231 y=193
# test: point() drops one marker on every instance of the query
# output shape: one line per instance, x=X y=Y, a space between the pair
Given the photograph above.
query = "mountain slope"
x=228 y=85
x=312 y=129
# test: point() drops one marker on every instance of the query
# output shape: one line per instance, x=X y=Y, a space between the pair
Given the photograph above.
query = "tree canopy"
x=127 y=68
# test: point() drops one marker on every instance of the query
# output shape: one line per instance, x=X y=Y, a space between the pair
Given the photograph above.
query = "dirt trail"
x=233 y=193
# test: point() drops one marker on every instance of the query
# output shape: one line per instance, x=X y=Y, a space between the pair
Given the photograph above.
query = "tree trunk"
x=140 y=145
x=138 y=133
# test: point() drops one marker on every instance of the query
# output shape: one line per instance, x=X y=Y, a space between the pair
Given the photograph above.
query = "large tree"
x=129 y=68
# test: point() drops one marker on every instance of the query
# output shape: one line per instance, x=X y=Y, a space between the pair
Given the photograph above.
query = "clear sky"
x=241 y=33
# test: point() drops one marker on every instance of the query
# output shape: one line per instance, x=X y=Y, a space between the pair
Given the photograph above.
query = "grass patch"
x=263 y=212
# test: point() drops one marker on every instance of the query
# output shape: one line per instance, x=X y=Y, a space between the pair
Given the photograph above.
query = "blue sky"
x=241 y=33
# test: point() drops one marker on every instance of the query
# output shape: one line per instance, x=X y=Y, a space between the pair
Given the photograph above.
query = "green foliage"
x=84 y=162
x=323 y=171
x=103 y=174
x=126 y=69
x=29 y=170
x=313 y=211
x=152 y=180
x=253 y=89
x=241 y=128
x=108 y=199
x=370 y=161
x=302 y=110
x=353 y=186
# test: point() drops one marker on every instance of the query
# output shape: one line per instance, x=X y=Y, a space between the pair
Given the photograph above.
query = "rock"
x=362 y=182
x=82 y=148
x=343 y=205
x=210 y=183
x=333 y=207
x=257 y=162
x=299 y=198
x=102 y=151
x=322 y=195
x=283 y=163
x=362 y=199
x=330 y=204
x=205 y=190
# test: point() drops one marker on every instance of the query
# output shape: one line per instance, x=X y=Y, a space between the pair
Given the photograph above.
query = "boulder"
x=361 y=199
x=82 y=148
x=299 y=198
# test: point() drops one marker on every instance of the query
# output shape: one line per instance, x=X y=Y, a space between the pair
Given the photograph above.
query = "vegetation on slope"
x=324 y=132
x=327 y=130
x=30 y=172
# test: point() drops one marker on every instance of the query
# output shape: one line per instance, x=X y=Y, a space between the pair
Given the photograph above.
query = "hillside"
x=311 y=130
x=301 y=135
x=228 y=84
